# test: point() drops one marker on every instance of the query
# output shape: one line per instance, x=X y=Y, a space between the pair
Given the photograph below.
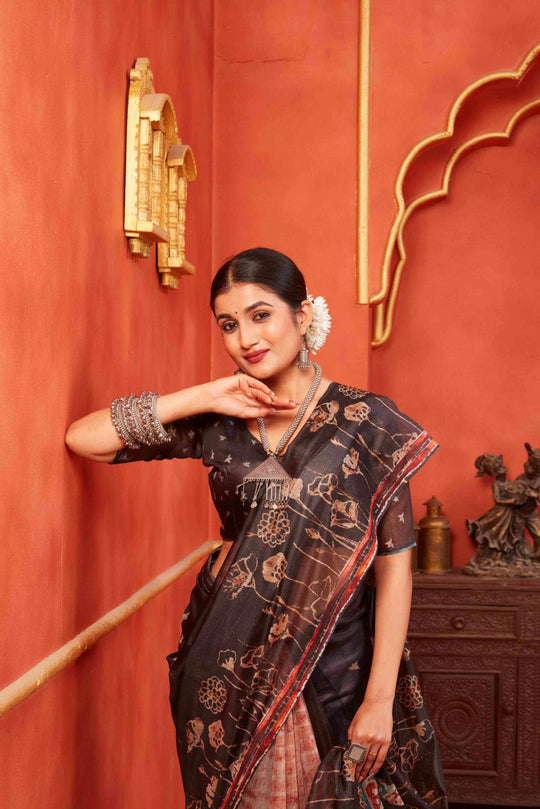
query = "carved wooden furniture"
x=476 y=645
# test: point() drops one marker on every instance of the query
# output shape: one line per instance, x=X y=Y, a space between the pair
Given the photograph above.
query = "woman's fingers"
x=272 y=404
x=254 y=386
x=379 y=759
x=363 y=767
x=252 y=412
x=256 y=390
x=372 y=761
x=275 y=401
x=246 y=389
x=256 y=383
x=253 y=394
x=261 y=396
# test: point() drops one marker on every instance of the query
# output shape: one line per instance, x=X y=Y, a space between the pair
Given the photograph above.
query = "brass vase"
x=434 y=539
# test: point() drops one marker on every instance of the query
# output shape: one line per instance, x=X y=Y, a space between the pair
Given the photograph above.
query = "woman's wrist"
x=379 y=698
x=183 y=403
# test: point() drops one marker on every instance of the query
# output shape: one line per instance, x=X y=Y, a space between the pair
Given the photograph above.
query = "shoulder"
x=348 y=394
x=359 y=405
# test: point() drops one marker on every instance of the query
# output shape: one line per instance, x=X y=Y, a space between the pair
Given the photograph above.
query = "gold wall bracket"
x=158 y=169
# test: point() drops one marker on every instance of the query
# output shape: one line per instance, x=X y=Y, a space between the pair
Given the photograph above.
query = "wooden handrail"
x=34 y=678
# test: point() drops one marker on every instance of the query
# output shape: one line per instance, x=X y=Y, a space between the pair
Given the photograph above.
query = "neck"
x=291 y=383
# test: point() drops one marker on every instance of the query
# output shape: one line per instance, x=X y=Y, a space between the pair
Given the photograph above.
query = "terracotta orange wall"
x=81 y=322
x=273 y=126
x=285 y=152
x=285 y=176
x=463 y=356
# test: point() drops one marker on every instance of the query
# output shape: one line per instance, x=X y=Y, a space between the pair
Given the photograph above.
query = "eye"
x=229 y=326
x=261 y=316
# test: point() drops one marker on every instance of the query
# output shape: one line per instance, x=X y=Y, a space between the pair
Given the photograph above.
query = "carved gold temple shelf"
x=158 y=169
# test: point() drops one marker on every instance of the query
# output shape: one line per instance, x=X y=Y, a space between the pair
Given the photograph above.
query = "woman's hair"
x=265 y=267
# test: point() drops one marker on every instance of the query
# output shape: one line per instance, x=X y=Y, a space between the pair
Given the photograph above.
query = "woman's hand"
x=372 y=728
x=243 y=396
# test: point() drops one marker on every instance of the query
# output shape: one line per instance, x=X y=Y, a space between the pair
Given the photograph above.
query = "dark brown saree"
x=253 y=636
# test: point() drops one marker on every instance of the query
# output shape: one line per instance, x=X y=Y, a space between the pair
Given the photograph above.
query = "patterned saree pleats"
x=283 y=778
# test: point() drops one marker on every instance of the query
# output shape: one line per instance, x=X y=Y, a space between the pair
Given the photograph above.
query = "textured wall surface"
x=463 y=356
x=82 y=321
x=285 y=152
x=266 y=95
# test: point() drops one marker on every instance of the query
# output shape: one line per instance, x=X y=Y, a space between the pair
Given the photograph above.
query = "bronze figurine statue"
x=504 y=548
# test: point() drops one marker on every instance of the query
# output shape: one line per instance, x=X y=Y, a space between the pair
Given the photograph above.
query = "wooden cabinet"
x=476 y=645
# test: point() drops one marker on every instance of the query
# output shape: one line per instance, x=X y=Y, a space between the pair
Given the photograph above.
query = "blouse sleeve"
x=187 y=442
x=395 y=531
x=400 y=446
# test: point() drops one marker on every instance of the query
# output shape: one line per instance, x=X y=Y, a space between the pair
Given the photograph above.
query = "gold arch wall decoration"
x=158 y=169
x=384 y=300
x=491 y=138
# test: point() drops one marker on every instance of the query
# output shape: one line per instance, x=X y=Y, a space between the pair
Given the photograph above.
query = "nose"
x=247 y=336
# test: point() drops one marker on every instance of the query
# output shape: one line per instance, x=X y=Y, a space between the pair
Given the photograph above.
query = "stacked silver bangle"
x=136 y=421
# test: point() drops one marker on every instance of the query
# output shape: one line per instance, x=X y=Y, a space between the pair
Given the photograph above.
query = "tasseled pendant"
x=278 y=484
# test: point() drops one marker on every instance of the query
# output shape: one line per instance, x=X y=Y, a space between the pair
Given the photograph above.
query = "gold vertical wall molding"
x=364 y=22
x=158 y=169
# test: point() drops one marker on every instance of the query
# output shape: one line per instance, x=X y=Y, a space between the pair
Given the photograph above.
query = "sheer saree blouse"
x=225 y=444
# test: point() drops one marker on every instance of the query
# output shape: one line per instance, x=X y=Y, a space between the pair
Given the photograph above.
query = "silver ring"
x=355 y=752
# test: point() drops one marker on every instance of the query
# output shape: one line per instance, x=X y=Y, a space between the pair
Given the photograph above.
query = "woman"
x=279 y=695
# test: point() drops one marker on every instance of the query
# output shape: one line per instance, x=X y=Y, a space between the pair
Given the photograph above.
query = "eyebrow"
x=247 y=310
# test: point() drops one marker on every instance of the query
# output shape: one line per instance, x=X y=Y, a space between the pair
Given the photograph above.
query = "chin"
x=262 y=371
x=259 y=373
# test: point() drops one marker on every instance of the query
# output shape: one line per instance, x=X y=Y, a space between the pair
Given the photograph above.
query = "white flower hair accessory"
x=319 y=327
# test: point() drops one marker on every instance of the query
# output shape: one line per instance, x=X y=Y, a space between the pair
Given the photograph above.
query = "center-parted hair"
x=265 y=267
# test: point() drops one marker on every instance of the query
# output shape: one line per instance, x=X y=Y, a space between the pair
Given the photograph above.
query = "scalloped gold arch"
x=384 y=324
x=384 y=300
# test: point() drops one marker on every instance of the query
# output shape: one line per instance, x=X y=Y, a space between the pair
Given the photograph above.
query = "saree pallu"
x=290 y=775
x=286 y=772
x=257 y=641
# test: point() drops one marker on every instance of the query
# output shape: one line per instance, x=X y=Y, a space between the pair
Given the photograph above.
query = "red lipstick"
x=256 y=356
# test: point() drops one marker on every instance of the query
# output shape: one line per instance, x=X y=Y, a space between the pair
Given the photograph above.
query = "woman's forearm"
x=371 y=726
x=94 y=436
x=392 y=608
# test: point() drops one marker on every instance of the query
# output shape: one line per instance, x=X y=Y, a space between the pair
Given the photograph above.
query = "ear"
x=305 y=315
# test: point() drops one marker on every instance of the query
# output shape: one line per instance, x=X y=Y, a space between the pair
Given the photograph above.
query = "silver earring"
x=303 y=356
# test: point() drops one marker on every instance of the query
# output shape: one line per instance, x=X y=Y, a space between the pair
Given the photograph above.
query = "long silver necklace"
x=270 y=476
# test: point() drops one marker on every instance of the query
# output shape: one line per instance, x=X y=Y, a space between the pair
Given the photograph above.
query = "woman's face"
x=259 y=330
